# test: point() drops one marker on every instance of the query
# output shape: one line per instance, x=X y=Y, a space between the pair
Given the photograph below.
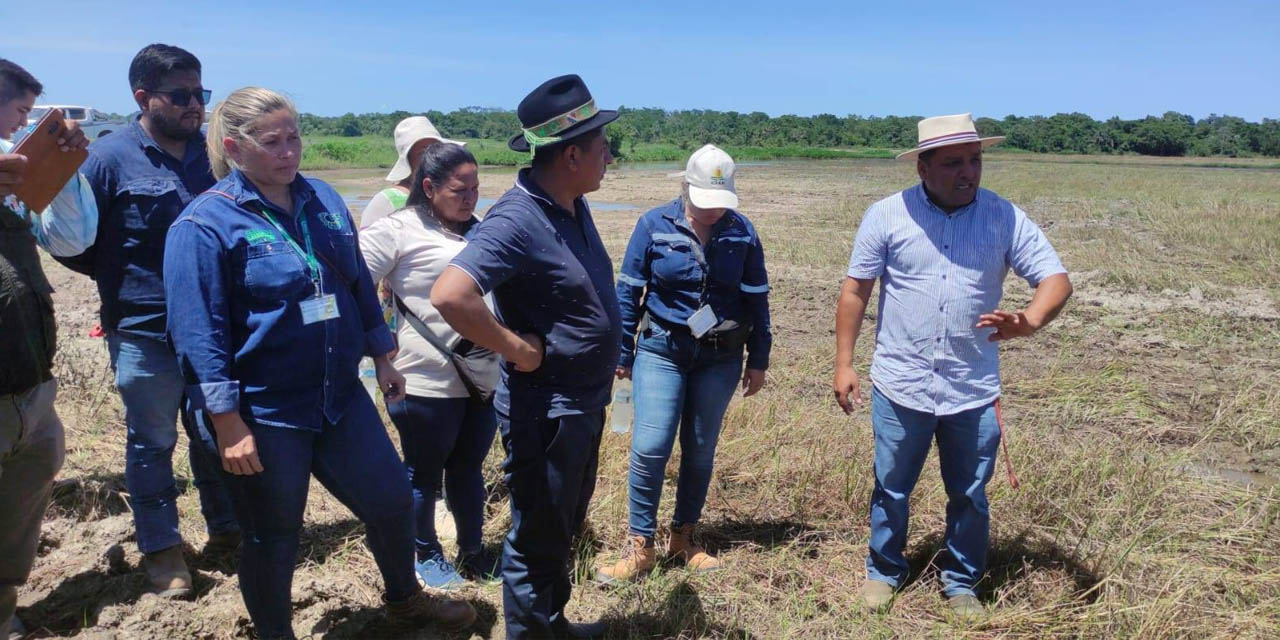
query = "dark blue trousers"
x=449 y=436
x=551 y=472
x=355 y=460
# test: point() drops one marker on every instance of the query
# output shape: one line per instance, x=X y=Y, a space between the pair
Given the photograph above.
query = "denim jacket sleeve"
x=755 y=295
x=198 y=314
x=632 y=279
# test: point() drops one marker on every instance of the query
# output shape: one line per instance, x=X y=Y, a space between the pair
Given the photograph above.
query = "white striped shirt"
x=938 y=273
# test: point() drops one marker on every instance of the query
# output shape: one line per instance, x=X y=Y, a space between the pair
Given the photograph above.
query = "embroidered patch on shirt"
x=332 y=220
x=259 y=236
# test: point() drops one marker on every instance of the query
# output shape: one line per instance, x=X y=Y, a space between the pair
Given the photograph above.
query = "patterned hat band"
x=545 y=134
x=953 y=138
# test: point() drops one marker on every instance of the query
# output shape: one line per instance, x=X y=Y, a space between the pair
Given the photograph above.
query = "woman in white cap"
x=693 y=291
x=413 y=135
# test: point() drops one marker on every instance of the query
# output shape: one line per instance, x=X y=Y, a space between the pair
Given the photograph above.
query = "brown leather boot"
x=167 y=574
x=681 y=548
x=638 y=558
x=421 y=608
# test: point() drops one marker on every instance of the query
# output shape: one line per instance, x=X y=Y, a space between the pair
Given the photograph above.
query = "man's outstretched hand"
x=1008 y=325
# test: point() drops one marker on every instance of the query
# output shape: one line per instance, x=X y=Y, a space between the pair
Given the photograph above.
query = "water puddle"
x=1236 y=476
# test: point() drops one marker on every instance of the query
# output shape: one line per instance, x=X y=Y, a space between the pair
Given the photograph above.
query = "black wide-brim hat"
x=561 y=108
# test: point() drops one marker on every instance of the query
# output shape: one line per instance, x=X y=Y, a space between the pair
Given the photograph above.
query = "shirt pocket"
x=272 y=272
x=154 y=203
x=343 y=249
x=674 y=261
x=729 y=259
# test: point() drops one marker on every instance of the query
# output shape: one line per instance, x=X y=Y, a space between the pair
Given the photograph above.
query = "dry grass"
x=1134 y=420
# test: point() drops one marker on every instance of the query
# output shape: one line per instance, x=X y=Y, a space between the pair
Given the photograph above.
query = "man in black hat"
x=558 y=331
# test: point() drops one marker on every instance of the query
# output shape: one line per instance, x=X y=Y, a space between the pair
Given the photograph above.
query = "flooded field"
x=1145 y=425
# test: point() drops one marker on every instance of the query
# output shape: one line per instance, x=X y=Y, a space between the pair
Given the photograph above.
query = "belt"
x=728 y=340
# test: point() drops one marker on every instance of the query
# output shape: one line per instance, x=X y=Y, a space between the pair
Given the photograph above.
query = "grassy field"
x=1144 y=424
x=363 y=152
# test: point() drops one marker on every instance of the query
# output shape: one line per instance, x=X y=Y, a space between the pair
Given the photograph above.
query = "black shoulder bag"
x=474 y=363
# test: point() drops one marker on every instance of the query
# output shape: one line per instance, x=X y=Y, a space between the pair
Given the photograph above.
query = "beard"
x=172 y=127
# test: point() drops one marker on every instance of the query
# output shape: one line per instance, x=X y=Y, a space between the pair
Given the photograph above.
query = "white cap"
x=710 y=177
x=408 y=132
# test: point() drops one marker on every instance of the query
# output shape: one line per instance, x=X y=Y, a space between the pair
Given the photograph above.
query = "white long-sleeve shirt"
x=69 y=225
x=410 y=253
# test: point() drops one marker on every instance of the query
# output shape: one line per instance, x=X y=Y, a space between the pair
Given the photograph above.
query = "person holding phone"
x=270 y=310
x=31 y=435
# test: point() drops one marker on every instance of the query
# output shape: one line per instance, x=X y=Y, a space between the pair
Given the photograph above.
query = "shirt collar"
x=195 y=144
x=243 y=191
x=526 y=183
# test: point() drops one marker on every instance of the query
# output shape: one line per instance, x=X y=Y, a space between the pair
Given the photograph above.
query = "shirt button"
x=331 y=348
x=946 y=246
x=935 y=369
x=943 y=277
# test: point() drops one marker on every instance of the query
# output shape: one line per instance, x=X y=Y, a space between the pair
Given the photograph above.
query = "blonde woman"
x=270 y=309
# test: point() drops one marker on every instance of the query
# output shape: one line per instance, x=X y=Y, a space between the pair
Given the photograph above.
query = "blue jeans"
x=355 y=460
x=151 y=386
x=550 y=469
x=449 y=436
x=967 y=443
x=680 y=384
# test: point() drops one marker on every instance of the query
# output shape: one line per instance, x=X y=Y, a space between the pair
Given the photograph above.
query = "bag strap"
x=422 y=329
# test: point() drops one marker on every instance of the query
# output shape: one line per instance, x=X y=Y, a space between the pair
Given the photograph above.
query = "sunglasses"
x=182 y=97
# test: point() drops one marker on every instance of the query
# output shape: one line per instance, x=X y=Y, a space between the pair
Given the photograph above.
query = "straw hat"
x=942 y=131
x=408 y=133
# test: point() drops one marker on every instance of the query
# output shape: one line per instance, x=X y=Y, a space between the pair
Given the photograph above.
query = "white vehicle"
x=93 y=123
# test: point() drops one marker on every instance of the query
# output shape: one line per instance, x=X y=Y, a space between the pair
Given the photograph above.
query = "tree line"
x=1172 y=134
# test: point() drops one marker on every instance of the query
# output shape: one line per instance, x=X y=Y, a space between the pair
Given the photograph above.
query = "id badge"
x=319 y=308
x=702 y=321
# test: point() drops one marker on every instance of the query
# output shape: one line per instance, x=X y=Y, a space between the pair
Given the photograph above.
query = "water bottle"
x=620 y=421
x=369 y=376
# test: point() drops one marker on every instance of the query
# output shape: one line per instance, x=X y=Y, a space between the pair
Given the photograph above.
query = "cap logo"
x=717 y=176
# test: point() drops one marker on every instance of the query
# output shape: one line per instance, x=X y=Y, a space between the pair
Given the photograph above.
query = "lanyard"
x=308 y=256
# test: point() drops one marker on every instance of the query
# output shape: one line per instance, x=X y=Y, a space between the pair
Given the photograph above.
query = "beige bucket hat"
x=408 y=132
x=942 y=131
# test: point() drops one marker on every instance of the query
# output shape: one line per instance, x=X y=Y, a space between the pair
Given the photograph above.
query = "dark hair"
x=548 y=154
x=438 y=163
x=156 y=61
x=16 y=81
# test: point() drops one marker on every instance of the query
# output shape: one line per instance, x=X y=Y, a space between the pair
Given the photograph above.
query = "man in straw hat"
x=538 y=252
x=941 y=250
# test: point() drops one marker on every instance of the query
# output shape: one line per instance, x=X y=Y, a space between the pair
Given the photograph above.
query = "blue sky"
x=1128 y=59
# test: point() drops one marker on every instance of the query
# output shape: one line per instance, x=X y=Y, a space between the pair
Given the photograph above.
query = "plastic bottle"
x=620 y=420
x=369 y=376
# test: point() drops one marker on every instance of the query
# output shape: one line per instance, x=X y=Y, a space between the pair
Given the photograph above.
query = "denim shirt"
x=550 y=275
x=140 y=189
x=667 y=263
x=234 y=285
